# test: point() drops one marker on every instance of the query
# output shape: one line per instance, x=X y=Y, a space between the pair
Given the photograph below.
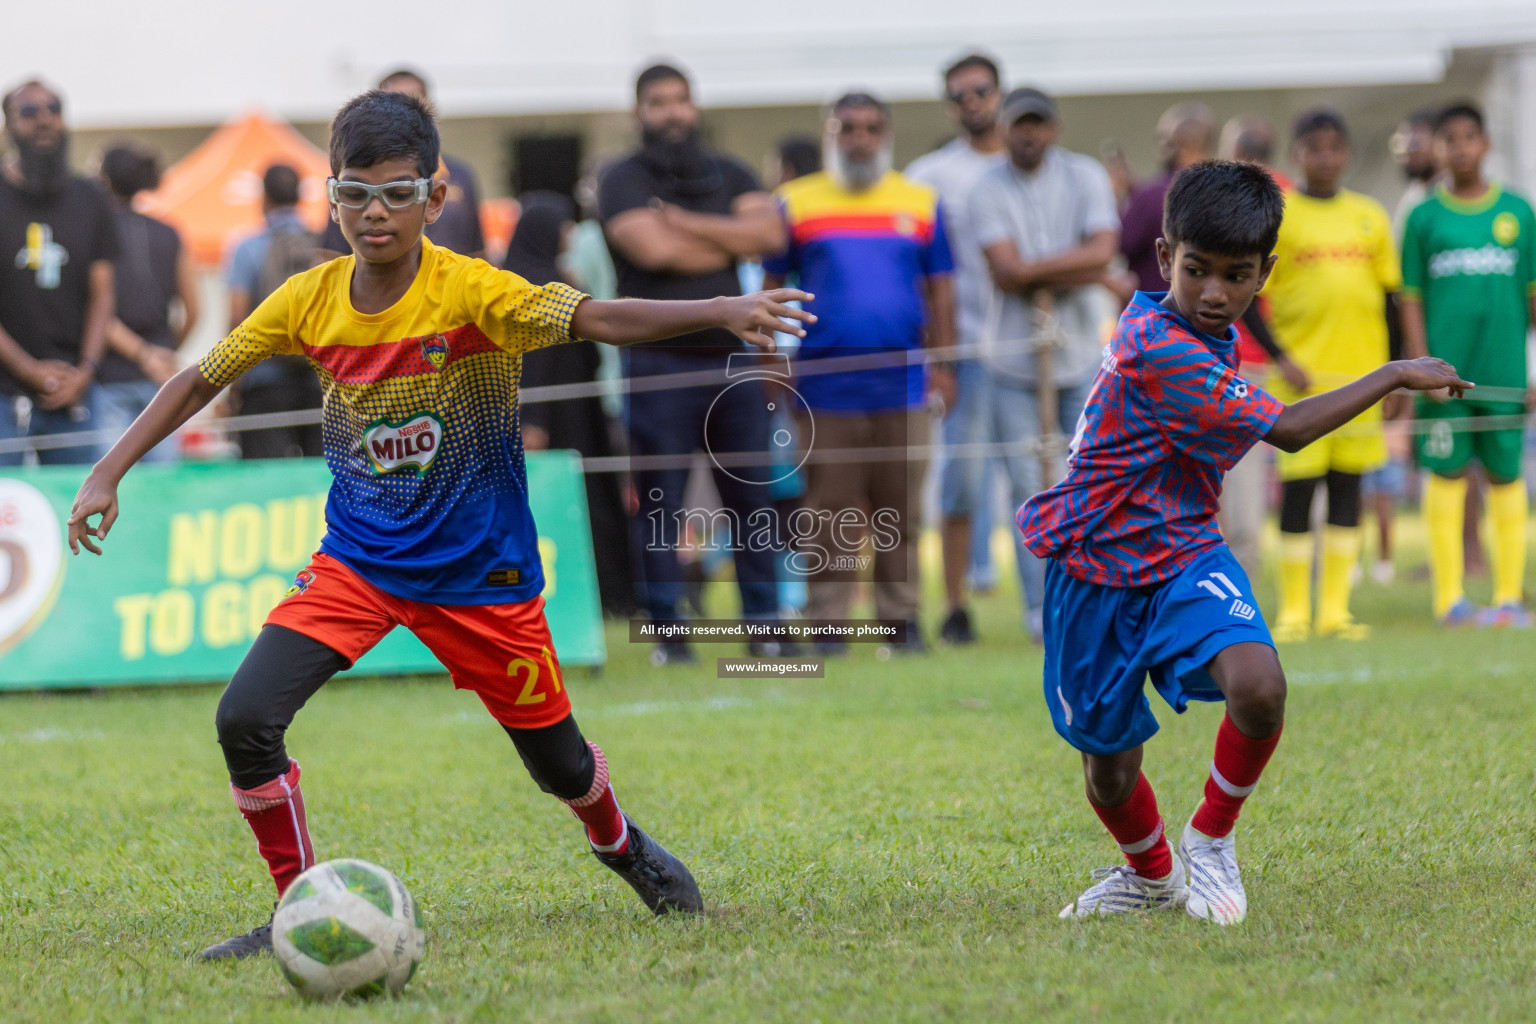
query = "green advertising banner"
x=200 y=554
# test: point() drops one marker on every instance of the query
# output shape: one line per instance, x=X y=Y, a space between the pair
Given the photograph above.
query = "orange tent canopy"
x=213 y=194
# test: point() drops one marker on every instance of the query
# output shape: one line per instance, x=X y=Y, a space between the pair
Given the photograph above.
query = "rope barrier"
x=715 y=377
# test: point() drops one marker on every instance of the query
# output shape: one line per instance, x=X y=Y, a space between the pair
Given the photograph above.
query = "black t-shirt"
x=631 y=184
x=459 y=226
x=47 y=247
x=144 y=277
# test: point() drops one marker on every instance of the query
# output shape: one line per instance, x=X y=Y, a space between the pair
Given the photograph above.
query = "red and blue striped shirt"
x=1166 y=417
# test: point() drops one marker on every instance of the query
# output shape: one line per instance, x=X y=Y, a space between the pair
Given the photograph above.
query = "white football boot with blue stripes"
x=1215 y=885
x=1120 y=890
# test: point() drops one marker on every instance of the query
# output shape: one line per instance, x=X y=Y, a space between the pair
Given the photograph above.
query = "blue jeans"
x=49 y=421
x=118 y=405
x=997 y=411
x=727 y=417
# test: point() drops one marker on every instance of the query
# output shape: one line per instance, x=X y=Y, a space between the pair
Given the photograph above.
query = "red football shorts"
x=501 y=651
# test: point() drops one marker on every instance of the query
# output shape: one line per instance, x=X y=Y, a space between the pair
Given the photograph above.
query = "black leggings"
x=1343 y=501
x=284 y=668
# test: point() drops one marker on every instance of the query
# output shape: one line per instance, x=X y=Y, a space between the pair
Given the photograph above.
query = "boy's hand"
x=96 y=496
x=1432 y=374
x=754 y=318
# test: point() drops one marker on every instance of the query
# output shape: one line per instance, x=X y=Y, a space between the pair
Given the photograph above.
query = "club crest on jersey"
x=435 y=348
x=392 y=446
x=301 y=583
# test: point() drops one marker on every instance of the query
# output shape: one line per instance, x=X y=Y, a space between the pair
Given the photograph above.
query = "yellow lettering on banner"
x=192 y=548
x=288 y=532
x=170 y=622
x=133 y=610
x=223 y=614
x=241 y=532
x=320 y=524
x=547 y=553
x=261 y=596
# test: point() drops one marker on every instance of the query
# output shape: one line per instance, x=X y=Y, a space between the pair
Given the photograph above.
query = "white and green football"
x=347 y=928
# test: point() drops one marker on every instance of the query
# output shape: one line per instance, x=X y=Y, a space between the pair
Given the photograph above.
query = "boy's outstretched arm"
x=752 y=318
x=181 y=397
x=1300 y=424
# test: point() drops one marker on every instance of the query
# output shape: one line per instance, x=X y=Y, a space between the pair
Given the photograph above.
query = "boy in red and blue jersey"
x=419 y=351
x=1139 y=581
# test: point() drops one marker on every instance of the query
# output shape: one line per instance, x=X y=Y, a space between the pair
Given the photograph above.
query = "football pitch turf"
x=892 y=842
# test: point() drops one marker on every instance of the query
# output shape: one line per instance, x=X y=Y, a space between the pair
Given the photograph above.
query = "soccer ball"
x=347 y=928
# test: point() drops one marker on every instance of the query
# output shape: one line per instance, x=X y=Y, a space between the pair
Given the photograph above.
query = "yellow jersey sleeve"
x=266 y=332
x=1385 y=264
x=516 y=315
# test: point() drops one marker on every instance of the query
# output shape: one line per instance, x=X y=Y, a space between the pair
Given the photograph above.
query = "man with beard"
x=973 y=89
x=1047 y=227
x=870 y=245
x=678 y=217
x=57 y=243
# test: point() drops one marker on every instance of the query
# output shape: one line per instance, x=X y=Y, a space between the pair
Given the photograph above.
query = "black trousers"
x=297 y=391
x=284 y=668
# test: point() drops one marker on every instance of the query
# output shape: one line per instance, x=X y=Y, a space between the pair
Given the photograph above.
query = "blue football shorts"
x=1101 y=642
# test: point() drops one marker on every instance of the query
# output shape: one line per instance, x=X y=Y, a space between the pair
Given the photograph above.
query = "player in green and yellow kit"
x=1469 y=294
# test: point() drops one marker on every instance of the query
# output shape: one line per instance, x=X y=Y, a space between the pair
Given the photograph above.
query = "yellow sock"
x=1508 y=510
x=1341 y=553
x=1296 y=580
x=1445 y=505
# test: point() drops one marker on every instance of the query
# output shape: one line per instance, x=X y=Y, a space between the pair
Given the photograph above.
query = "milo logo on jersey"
x=1490 y=259
x=395 y=446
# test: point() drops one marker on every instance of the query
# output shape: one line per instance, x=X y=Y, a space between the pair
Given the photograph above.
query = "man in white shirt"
x=973 y=90
x=1047 y=225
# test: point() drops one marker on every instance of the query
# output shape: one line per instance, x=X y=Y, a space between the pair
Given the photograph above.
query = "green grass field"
x=890 y=843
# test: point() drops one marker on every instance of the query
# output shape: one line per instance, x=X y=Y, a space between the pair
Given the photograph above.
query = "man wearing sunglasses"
x=57 y=242
x=973 y=89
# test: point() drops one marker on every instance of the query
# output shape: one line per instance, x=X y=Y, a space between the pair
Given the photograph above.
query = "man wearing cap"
x=1047 y=226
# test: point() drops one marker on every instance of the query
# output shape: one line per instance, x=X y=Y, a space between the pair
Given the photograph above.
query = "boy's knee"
x=248 y=732
x=558 y=758
x=1256 y=702
x=1110 y=781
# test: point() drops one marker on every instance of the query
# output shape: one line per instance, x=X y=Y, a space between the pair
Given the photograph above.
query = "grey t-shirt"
x=1048 y=211
x=953 y=170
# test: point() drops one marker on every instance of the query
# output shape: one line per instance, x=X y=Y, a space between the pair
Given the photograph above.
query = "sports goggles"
x=396 y=195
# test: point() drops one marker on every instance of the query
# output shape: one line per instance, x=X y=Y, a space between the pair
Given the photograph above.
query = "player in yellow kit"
x=1331 y=300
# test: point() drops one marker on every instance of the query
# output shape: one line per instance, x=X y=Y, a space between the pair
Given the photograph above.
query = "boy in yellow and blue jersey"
x=1330 y=300
x=419 y=351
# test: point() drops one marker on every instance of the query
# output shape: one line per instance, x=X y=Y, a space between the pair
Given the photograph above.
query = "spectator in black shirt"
x=459 y=226
x=57 y=243
x=156 y=291
x=678 y=216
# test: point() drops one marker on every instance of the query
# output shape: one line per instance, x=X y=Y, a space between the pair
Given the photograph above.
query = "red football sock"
x=275 y=812
x=1138 y=828
x=599 y=810
x=1235 y=771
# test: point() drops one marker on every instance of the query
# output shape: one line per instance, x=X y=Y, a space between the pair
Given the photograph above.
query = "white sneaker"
x=1384 y=573
x=1215 y=886
x=1120 y=890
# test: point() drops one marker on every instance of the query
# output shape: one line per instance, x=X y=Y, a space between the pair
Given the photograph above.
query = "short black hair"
x=130 y=169
x=802 y=153
x=1424 y=117
x=280 y=185
x=659 y=73
x=1461 y=108
x=399 y=73
x=1225 y=207
x=379 y=126
x=974 y=60
x=860 y=99
x=1318 y=119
